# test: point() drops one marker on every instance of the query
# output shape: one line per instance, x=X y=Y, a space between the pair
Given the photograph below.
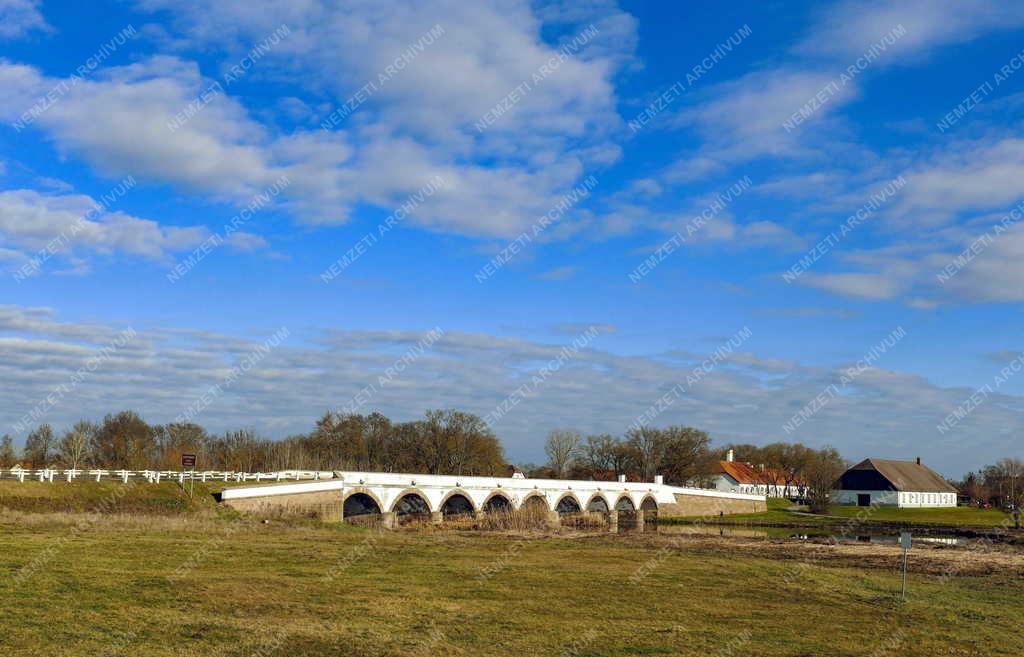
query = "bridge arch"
x=360 y=502
x=456 y=502
x=535 y=500
x=597 y=504
x=497 y=502
x=568 y=503
x=625 y=503
x=411 y=503
x=649 y=503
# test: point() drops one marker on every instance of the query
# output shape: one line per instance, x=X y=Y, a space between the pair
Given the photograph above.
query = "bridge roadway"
x=395 y=495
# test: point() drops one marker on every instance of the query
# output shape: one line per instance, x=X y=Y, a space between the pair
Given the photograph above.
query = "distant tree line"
x=684 y=456
x=680 y=454
x=453 y=442
x=442 y=442
x=999 y=485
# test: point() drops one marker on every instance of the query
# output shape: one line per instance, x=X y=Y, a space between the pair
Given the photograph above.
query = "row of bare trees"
x=683 y=455
x=1000 y=484
x=678 y=453
x=449 y=442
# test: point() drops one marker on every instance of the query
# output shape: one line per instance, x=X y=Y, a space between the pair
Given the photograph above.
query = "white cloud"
x=862 y=285
x=851 y=27
x=993 y=276
x=954 y=196
x=19 y=17
x=242 y=241
x=419 y=123
x=981 y=266
x=964 y=176
x=74 y=223
x=162 y=371
x=744 y=119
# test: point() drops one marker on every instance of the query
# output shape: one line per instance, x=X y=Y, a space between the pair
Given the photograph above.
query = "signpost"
x=906 y=541
x=189 y=461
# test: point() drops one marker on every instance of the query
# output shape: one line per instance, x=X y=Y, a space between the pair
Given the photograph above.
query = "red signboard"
x=188 y=460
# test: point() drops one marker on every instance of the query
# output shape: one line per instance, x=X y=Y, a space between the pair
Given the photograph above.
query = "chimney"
x=622 y=479
x=730 y=456
x=919 y=460
x=659 y=479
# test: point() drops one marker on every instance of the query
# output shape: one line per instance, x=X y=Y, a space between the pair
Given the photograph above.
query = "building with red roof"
x=735 y=476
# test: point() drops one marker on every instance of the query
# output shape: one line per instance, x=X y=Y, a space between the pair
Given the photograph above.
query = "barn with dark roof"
x=903 y=484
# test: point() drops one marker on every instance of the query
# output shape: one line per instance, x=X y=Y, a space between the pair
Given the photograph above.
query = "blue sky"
x=175 y=118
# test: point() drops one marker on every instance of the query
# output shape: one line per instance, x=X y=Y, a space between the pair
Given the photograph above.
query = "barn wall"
x=915 y=500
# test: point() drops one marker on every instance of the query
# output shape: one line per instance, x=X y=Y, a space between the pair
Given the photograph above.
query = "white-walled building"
x=903 y=484
x=734 y=476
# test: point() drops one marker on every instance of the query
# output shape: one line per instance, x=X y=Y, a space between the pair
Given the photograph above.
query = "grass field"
x=205 y=582
x=152 y=572
x=958 y=516
x=105 y=497
x=782 y=512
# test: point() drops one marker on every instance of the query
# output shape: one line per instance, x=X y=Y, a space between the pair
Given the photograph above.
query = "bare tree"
x=648 y=445
x=793 y=459
x=822 y=471
x=597 y=454
x=7 y=455
x=561 y=447
x=38 y=445
x=124 y=440
x=684 y=455
x=1007 y=475
x=74 y=446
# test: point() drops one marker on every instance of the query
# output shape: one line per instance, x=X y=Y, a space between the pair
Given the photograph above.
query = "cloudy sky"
x=785 y=221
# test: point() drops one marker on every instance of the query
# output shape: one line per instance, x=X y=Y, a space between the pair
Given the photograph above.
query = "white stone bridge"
x=395 y=496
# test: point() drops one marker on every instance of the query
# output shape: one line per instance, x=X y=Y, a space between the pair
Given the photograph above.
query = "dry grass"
x=212 y=585
x=208 y=581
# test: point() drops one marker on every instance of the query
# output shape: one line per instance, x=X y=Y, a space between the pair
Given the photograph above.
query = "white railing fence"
x=18 y=473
